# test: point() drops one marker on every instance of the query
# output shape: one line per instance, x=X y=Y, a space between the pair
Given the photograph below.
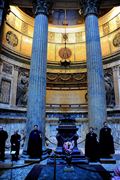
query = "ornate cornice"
x=90 y=7
x=42 y=6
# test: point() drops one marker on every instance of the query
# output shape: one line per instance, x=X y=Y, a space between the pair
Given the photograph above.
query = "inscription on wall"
x=5 y=91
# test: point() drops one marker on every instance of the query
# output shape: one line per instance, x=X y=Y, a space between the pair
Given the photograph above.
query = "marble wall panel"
x=5 y=88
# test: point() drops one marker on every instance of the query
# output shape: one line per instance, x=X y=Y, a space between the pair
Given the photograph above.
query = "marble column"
x=37 y=82
x=1 y=11
x=95 y=75
x=116 y=81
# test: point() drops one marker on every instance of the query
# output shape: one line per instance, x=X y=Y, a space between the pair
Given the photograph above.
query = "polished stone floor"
x=67 y=173
x=20 y=170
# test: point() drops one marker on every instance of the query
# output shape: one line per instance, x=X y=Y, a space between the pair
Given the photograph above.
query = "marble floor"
x=20 y=169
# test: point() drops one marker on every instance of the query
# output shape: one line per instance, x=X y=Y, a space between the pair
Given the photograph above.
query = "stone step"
x=31 y=160
x=108 y=160
x=80 y=161
x=63 y=161
x=73 y=156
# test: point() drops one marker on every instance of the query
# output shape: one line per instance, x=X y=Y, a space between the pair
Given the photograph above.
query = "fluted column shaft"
x=2 y=6
x=95 y=74
x=37 y=82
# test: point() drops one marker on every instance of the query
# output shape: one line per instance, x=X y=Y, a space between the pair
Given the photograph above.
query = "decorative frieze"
x=72 y=79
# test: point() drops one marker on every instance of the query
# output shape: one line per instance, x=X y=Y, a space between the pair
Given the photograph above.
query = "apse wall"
x=71 y=81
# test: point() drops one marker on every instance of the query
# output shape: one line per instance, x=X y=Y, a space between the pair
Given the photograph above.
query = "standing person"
x=91 y=145
x=106 y=141
x=3 y=138
x=15 y=145
x=34 y=149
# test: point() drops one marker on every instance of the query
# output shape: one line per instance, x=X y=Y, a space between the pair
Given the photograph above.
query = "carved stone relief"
x=118 y=21
x=116 y=40
x=109 y=87
x=5 y=87
x=12 y=39
x=22 y=87
x=24 y=28
x=7 y=68
x=78 y=37
x=51 y=36
x=73 y=79
x=106 y=28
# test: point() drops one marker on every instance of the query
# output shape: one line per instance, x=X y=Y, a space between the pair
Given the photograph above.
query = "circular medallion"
x=116 y=40
x=65 y=53
x=11 y=39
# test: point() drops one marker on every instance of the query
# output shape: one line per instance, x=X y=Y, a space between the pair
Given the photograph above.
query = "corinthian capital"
x=42 y=6
x=90 y=6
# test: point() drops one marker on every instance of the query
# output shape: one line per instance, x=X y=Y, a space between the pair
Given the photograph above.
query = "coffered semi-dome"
x=18 y=36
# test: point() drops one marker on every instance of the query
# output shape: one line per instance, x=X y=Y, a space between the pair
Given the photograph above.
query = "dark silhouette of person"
x=106 y=141
x=15 y=145
x=91 y=145
x=3 y=138
x=34 y=149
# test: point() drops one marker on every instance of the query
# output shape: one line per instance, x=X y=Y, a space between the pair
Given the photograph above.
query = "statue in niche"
x=22 y=89
x=109 y=87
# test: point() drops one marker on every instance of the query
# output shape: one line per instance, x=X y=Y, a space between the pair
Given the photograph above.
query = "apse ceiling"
x=70 y=4
x=58 y=16
x=62 y=9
